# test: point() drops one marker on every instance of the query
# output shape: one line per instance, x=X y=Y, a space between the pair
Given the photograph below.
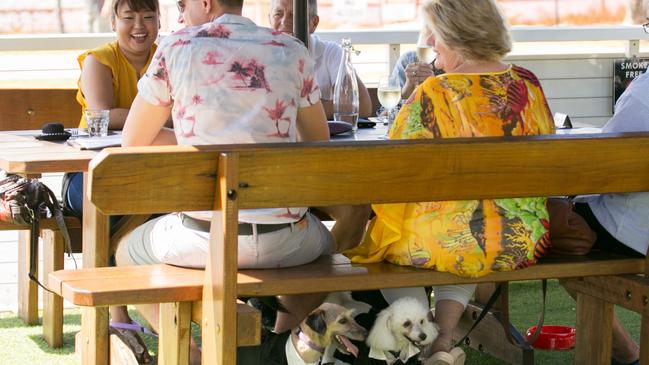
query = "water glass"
x=97 y=121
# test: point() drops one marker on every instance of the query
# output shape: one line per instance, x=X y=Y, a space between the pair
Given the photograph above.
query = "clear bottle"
x=346 y=88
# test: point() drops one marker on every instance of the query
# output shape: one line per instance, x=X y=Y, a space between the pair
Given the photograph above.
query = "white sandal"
x=441 y=358
x=459 y=357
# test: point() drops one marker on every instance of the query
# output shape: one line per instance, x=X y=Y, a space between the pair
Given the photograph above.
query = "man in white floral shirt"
x=223 y=79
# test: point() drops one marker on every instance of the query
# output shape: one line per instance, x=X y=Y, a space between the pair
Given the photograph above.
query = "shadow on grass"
x=66 y=349
x=12 y=323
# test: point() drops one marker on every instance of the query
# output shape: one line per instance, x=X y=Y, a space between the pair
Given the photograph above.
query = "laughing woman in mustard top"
x=478 y=96
x=109 y=76
x=109 y=73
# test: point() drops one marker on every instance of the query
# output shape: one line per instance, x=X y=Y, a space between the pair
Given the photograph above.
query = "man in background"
x=326 y=55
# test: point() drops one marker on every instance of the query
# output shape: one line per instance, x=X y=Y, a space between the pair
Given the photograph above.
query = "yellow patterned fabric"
x=473 y=237
x=124 y=75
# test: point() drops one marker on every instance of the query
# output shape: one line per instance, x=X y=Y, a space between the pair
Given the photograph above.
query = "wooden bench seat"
x=227 y=178
x=166 y=283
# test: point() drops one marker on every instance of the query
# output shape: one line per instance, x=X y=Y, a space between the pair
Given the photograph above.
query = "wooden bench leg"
x=594 y=330
x=53 y=254
x=644 y=339
x=27 y=289
x=175 y=333
x=94 y=336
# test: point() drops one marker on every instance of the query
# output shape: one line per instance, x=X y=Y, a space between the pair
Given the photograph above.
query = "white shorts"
x=167 y=240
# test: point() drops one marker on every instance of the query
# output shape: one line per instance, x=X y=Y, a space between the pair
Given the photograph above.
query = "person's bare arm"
x=312 y=123
x=364 y=100
x=145 y=125
x=97 y=88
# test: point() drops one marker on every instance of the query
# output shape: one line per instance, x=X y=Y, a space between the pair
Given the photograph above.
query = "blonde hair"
x=475 y=29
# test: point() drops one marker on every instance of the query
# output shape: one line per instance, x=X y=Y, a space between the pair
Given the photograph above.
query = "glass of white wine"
x=425 y=53
x=389 y=95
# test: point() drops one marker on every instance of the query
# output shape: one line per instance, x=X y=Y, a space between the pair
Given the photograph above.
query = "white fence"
x=574 y=64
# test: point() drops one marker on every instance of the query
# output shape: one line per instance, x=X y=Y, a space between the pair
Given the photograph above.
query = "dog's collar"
x=304 y=338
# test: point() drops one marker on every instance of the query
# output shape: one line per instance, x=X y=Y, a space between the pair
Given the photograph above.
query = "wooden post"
x=94 y=321
x=94 y=336
x=27 y=289
x=174 y=333
x=594 y=330
x=53 y=254
x=220 y=289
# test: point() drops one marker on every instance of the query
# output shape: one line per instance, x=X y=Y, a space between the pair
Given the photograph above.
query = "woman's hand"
x=416 y=73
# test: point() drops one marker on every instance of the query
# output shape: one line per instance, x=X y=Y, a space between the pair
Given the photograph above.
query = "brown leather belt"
x=245 y=229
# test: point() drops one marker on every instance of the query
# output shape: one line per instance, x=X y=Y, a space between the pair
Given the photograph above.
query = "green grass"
x=21 y=344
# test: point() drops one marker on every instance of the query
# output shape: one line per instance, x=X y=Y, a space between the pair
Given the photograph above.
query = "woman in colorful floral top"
x=478 y=96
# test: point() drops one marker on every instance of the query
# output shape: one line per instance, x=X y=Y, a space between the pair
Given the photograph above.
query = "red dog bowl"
x=553 y=337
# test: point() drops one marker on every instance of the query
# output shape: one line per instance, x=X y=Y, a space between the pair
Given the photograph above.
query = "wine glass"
x=389 y=95
x=425 y=53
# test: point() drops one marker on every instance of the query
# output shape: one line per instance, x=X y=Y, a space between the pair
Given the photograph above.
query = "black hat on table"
x=53 y=132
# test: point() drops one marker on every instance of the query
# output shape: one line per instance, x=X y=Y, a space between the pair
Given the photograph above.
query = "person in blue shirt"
x=620 y=220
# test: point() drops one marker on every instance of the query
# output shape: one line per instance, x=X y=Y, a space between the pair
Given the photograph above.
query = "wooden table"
x=22 y=154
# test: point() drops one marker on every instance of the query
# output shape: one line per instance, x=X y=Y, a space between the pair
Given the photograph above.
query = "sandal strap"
x=133 y=326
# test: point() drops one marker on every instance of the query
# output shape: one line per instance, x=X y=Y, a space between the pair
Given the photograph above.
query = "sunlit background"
x=74 y=16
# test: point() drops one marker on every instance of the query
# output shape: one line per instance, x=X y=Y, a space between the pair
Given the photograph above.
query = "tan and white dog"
x=401 y=330
x=327 y=328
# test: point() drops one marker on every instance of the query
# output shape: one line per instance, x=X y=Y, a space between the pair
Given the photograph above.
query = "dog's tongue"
x=351 y=348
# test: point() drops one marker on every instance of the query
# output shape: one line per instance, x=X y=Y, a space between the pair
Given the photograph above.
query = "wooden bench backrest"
x=24 y=109
x=184 y=178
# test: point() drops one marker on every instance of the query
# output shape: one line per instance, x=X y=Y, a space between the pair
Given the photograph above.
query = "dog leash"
x=518 y=340
x=487 y=307
x=514 y=338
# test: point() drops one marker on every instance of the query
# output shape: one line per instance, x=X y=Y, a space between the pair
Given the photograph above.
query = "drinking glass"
x=389 y=95
x=425 y=53
x=97 y=121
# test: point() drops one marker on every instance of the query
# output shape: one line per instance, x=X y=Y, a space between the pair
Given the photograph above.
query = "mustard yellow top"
x=472 y=237
x=123 y=74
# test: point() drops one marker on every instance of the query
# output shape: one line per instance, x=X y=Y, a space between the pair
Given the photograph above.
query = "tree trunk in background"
x=59 y=14
x=637 y=11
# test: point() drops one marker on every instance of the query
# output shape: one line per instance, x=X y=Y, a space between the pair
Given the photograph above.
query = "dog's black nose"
x=422 y=336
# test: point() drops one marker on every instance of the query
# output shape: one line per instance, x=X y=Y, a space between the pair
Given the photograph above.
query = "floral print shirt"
x=472 y=237
x=231 y=81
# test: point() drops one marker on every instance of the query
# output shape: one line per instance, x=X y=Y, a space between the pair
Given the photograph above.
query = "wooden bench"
x=24 y=109
x=228 y=178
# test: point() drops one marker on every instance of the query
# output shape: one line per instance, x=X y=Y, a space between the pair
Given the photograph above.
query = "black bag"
x=26 y=201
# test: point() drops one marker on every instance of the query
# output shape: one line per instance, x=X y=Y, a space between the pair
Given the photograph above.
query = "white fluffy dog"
x=403 y=327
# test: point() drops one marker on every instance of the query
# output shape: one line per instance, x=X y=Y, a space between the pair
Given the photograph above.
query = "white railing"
x=631 y=35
